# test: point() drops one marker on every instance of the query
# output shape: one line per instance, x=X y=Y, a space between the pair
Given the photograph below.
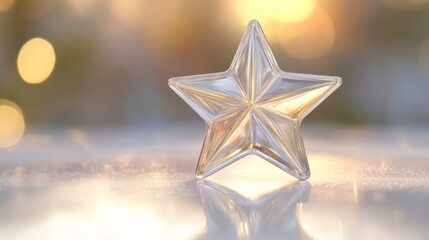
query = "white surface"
x=366 y=183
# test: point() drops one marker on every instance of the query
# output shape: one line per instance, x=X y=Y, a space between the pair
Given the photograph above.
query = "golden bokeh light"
x=310 y=39
x=6 y=5
x=283 y=11
x=36 y=60
x=287 y=11
x=12 y=123
x=273 y=14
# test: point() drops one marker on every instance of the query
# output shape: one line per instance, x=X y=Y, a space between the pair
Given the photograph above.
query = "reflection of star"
x=254 y=108
x=232 y=216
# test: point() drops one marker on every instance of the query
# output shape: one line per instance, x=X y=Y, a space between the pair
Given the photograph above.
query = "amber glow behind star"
x=254 y=108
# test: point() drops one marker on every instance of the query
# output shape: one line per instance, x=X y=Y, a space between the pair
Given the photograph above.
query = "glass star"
x=254 y=108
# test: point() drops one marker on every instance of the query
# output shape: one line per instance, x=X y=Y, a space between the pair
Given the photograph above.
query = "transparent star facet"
x=274 y=215
x=254 y=108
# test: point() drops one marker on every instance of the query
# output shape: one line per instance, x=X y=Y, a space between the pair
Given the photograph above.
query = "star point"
x=254 y=108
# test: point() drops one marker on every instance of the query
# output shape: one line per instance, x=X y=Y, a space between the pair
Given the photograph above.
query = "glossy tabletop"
x=131 y=183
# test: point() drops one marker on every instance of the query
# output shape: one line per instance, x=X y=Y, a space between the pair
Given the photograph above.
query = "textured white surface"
x=366 y=183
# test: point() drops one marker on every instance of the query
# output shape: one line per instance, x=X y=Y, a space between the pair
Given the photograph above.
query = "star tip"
x=338 y=80
x=253 y=23
x=171 y=82
x=303 y=176
x=199 y=176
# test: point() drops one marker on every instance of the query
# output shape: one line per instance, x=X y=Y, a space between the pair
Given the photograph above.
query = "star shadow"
x=229 y=215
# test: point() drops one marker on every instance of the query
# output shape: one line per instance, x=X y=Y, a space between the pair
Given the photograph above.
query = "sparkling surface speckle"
x=367 y=183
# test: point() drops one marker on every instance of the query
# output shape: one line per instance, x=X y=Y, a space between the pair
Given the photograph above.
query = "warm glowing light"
x=36 y=60
x=6 y=5
x=287 y=11
x=252 y=177
x=12 y=124
x=273 y=14
x=283 y=11
x=106 y=214
x=310 y=39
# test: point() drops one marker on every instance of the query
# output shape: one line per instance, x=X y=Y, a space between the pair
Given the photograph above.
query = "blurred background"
x=106 y=62
x=95 y=145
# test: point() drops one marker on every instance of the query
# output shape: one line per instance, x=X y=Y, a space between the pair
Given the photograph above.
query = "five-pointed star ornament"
x=254 y=108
